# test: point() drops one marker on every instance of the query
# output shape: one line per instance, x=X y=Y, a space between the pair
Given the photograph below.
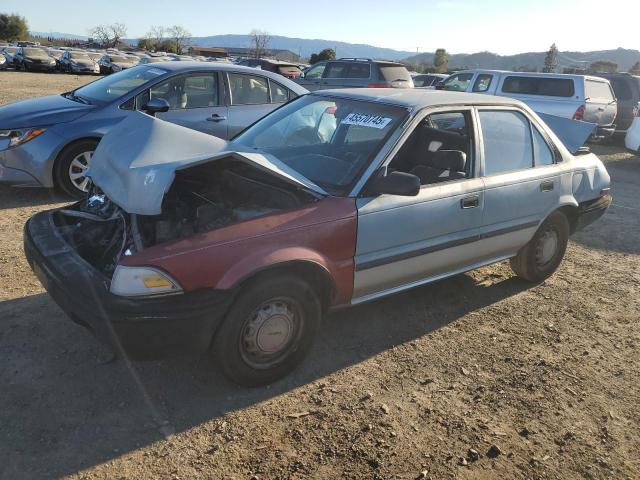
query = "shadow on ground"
x=20 y=197
x=64 y=407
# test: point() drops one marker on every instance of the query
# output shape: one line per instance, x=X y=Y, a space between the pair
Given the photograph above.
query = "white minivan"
x=580 y=97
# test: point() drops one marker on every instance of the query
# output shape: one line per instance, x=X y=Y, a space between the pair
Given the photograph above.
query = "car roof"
x=417 y=98
x=191 y=66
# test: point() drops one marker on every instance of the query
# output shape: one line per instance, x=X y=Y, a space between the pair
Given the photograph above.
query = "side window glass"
x=507 y=141
x=483 y=82
x=248 y=89
x=279 y=94
x=315 y=72
x=438 y=150
x=336 y=70
x=360 y=70
x=459 y=82
x=541 y=151
x=200 y=91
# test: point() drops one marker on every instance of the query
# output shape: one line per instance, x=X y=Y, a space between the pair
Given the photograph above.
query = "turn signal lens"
x=142 y=281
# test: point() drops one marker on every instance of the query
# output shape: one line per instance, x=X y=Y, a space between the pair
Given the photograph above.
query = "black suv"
x=354 y=73
x=627 y=90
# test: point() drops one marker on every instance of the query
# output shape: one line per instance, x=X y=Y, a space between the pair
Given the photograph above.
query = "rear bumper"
x=592 y=210
x=143 y=328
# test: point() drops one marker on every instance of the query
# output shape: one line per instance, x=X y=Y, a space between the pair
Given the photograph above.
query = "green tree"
x=603 y=66
x=635 y=70
x=551 y=60
x=13 y=27
x=441 y=61
x=326 y=54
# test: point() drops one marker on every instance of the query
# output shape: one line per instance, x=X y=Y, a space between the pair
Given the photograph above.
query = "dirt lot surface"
x=481 y=376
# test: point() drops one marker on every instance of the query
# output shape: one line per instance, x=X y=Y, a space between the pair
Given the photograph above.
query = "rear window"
x=551 y=87
x=595 y=89
x=622 y=88
x=393 y=73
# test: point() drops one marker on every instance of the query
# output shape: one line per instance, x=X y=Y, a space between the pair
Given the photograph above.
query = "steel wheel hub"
x=547 y=247
x=78 y=169
x=269 y=333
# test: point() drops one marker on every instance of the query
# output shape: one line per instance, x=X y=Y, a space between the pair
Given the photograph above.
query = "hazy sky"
x=460 y=26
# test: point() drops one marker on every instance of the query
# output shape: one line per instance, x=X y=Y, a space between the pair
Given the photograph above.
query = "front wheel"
x=72 y=165
x=539 y=258
x=268 y=330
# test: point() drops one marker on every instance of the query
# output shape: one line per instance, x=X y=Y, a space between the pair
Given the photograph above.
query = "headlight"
x=20 y=136
x=142 y=281
x=2 y=58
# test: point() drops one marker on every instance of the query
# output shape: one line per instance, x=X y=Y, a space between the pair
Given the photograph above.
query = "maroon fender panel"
x=323 y=232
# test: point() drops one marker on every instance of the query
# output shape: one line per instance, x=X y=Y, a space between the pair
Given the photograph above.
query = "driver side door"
x=403 y=241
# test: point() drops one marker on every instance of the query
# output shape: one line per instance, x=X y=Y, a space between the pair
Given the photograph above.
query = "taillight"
x=331 y=110
x=579 y=115
x=379 y=85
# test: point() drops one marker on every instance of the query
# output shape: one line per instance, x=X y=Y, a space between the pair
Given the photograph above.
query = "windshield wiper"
x=76 y=98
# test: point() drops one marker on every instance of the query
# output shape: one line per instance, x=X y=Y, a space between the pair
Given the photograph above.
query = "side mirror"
x=440 y=86
x=452 y=160
x=156 y=105
x=395 y=183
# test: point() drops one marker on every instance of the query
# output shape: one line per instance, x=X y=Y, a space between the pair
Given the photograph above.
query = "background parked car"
x=77 y=62
x=146 y=60
x=111 y=63
x=632 y=138
x=579 y=97
x=428 y=79
x=627 y=90
x=287 y=70
x=3 y=62
x=49 y=141
x=355 y=73
x=34 y=59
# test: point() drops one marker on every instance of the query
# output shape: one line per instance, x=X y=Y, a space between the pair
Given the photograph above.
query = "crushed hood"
x=135 y=163
x=572 y=133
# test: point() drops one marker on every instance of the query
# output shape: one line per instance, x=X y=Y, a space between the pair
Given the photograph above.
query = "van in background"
x=580 y=97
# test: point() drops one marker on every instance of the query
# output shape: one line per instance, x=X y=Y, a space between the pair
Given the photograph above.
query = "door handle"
x=216 y=118
x=470 y=202
x=547 y=186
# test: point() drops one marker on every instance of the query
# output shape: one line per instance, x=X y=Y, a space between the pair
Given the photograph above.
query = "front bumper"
x=141 y=328
x=41 y=67
x=592 y=210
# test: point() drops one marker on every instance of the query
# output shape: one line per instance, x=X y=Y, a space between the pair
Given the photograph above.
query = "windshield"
x=118 y=84
x=35 y=52
x=79 y=56
x=330 y=141
x=121 y=59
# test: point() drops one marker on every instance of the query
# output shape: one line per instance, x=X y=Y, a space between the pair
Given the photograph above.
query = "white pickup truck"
x=579 y=97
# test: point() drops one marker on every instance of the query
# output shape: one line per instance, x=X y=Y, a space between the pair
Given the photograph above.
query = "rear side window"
x=279 y=94
x=248 y=89
x=622 y=89
x=483 y=82
x=359 y=70
x=336 y=70
x=600 y=90
x=393 y=73
x=541 y=150
x=507 y=141
x=459 y=82
x=551 y=87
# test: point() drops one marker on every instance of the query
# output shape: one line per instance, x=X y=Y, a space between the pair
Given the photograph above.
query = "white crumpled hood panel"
x=135 y=162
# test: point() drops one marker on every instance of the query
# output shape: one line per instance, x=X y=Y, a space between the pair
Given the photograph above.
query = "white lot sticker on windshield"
x=156 y=71
x=366 y=120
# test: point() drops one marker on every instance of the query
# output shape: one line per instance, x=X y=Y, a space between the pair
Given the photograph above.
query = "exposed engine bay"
x=201 y=199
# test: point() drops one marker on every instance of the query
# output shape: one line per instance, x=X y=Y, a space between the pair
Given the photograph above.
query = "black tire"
x=61 y=171
x=535 y=264
x=240 y=356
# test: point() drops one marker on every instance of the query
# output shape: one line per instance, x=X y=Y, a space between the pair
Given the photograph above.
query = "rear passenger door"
x=522 y=181
x=251 y=97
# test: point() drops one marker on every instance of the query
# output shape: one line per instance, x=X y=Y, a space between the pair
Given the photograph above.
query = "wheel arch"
x=571 y=212
x=58 y=155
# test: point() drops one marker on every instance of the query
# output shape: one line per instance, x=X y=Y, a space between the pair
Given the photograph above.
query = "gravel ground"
x=480 y=376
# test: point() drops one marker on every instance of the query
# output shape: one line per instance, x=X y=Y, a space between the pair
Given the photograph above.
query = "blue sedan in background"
x=49 y=141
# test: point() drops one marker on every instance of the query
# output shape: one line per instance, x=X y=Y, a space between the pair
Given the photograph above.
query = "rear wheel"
x=542 y=255
x=268 y=330
x=72 y=165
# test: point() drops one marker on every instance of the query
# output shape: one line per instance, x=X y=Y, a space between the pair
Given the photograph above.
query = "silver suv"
x=355 y=73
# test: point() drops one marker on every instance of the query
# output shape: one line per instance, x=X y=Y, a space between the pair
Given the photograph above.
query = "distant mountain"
x=304 y=47
x=69 y=36
x=625 y=59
